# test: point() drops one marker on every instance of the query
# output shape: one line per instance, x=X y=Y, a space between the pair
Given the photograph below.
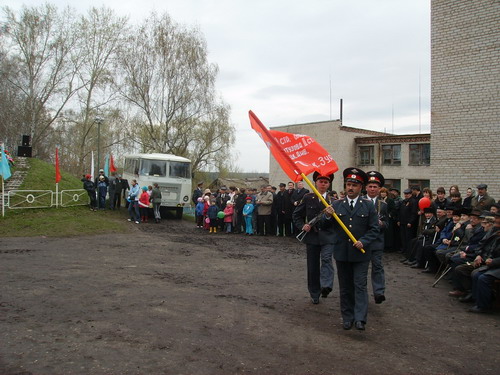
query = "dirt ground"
x=174 y=299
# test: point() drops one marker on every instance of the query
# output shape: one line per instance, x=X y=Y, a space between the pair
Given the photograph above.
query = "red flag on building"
x=112 y=167
x=58 y=173
x=295 y=153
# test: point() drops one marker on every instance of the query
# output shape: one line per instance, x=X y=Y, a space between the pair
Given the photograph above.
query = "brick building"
x=465 y=94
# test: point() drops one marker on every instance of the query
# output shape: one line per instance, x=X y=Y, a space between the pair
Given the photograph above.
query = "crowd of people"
x=443 y=233
x=455 y=240
x=107 y=192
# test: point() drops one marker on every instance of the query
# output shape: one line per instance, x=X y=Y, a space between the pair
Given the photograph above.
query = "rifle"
x=312 y=222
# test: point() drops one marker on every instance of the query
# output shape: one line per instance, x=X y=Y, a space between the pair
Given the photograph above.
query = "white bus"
x=171 y=173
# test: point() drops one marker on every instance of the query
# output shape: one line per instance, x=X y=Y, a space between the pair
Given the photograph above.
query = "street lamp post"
x=99 y=121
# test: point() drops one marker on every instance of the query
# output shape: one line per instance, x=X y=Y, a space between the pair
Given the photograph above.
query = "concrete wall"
x=336 y=139
x=465 y=97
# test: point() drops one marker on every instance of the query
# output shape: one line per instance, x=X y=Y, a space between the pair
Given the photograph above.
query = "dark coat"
x=408 y=212
x=383 y=216
x=362 y=222
x=288 y=205
x=309 y=207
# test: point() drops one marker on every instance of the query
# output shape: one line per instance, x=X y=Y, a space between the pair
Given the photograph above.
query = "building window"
x=391 y=154
x=366 y=155
x=392 y=184
x=420 y=183
x=420 y=154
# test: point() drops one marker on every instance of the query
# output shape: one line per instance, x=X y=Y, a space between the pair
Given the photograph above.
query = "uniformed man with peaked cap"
x=360 y=217
x=375 y=182
x=318 y=240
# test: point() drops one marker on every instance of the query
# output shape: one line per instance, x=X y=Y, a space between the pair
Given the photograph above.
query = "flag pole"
x=335 y=216
x=304 y=177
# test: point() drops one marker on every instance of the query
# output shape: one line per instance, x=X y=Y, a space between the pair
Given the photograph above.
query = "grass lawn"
x=57 y=222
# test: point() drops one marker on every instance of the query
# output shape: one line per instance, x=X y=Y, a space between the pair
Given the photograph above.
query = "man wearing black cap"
x=318 y=240
x=482 y=200
x=360 y=217
x=408 y=219
x=197 y=193
x=375 y=182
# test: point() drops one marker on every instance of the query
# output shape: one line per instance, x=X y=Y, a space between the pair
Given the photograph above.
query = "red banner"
x=295 y=153
x=112 y=167
x=58 y=173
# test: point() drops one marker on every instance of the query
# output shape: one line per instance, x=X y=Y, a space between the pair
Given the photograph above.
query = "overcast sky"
x=285 y=60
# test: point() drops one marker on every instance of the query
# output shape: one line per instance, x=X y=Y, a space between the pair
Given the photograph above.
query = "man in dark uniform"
x=319 y=241
x=297 y=196
x=375 y=182
x=360 y=217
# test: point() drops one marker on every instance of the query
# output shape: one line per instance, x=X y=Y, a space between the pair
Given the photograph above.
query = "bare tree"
x=11 y=104
x=171 y=84
x=100 y=33
x=41 y=42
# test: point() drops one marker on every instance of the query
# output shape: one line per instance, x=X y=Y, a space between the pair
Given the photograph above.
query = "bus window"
x=156 y=168
x=131 y=166
x=178 y=169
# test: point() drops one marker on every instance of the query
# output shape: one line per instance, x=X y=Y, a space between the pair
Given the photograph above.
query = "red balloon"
x=424 y=203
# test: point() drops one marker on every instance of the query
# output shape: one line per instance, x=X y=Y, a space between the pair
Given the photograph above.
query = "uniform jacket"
x=298 y=194
x=362 y=221
x=383 y=216
x=308 y=208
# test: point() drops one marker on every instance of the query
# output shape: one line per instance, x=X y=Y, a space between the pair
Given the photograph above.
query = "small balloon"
x=424 y=203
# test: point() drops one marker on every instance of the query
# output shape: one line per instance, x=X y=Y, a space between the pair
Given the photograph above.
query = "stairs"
x=17 y=178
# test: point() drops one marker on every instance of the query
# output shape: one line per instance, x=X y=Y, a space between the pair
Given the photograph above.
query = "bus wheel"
x=178 y=213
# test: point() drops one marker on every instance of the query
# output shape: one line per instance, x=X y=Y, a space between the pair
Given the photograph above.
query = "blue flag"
x=106 y=165
x=4 y=166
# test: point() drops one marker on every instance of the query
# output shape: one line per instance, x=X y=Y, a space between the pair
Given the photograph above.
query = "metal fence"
x=21 y=199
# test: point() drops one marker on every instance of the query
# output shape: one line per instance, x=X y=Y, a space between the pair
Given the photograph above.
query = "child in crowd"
x=206 y=205
x=247 y=214
x=228 y=216
x=144 y=204
x=102 y=190
x=212 y=212
x=200 y=205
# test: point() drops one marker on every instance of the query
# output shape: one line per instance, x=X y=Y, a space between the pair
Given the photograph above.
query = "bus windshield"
x=157 y=168
x=178 y=169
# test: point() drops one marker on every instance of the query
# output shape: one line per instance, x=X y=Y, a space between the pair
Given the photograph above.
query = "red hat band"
x=354 y=177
